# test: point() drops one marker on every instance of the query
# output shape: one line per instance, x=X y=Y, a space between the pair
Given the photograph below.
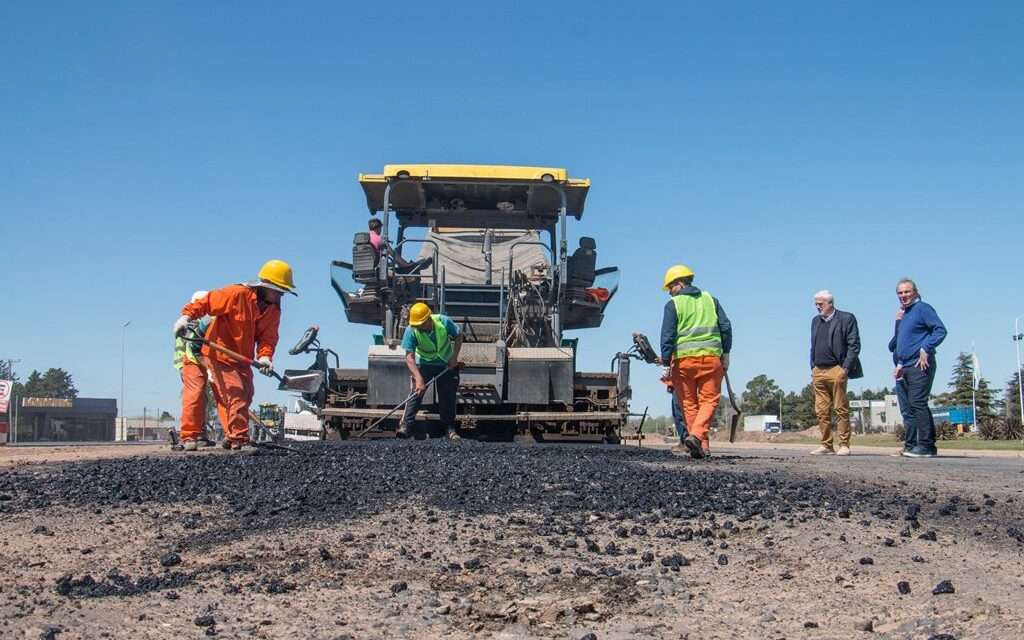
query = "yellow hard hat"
x=277 y=274
x=419 y=314
x=676 y=272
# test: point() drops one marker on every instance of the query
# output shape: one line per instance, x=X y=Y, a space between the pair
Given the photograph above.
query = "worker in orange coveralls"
x=245 y=320
x=696 y=338
x=188 y=360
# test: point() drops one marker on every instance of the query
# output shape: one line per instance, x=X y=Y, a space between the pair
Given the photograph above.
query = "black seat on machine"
x=364 y=258
x=581 y=264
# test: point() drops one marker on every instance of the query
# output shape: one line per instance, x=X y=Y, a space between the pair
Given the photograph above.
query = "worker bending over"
x=696 y=338
x=432 y=343
x=245 y=320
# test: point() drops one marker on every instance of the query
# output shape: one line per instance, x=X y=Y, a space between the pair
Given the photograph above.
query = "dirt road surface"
x=468 y=540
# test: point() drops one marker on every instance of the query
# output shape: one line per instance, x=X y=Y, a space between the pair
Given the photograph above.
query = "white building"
x=876 y=415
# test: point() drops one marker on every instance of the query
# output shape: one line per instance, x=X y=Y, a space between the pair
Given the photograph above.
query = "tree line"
x=52 y=383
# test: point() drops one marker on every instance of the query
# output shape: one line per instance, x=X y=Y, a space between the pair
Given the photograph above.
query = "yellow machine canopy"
x=473 y=188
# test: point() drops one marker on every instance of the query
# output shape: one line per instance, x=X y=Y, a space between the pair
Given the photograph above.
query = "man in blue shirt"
x=432 y=343
x=918 y=332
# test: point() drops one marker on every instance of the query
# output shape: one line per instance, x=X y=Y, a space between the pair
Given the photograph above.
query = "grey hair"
x=826 y=294
x=907 y=281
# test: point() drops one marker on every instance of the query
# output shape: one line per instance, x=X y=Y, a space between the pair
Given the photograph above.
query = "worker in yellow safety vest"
x=432 y=343
x=696 y=338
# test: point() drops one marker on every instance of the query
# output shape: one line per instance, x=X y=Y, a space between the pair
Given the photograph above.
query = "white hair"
x=907 y=281
x=824 y=294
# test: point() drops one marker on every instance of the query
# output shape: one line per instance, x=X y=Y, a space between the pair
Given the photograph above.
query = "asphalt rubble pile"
x=354 y=479
x=587 y=514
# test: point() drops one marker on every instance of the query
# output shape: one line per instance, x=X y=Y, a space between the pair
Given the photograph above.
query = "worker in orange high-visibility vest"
x=245 y=320
x=696 y=337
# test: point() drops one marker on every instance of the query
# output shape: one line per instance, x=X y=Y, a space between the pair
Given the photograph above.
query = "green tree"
x=961 y=383
x=55 y=383
x=961 y=391
x=800 y=410
x=761 y=396
x=868 y=394
x=1011 y=398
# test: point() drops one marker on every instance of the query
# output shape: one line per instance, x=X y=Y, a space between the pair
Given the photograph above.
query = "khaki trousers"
x=830 y=394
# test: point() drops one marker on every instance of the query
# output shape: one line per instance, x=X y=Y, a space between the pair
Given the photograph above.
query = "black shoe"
x=225 y=444
x=921 y=452
x=693 y=444
x=403 y=431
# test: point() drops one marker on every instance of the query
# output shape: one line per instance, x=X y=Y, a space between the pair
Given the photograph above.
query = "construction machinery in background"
x=493 y=255
x=267 y=425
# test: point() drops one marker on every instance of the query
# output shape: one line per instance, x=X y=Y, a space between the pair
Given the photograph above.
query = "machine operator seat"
x=582 y=263
x=364 y=259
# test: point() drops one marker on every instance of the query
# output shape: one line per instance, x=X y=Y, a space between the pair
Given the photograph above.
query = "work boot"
x=403 y=431
x=706 y=453
x=225 y=444
x=843 y=450
x=693 y=444
x=453 y=434
x=243 y=449
x=206 y=442
x=823 y=451
x=189 y=445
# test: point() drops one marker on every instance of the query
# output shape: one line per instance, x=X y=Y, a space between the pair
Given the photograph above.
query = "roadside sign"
x=5 y=395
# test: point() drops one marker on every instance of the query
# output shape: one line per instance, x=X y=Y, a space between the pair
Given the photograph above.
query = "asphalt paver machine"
x=488 y=247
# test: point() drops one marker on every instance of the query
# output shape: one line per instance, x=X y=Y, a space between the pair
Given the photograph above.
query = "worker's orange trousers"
x=193 y=400
x=232 y=389
x=698 y=385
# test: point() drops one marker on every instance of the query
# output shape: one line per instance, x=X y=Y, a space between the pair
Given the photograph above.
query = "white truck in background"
x=762 y=424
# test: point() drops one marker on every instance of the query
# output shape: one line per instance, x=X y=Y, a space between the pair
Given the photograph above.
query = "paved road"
x=954 y=471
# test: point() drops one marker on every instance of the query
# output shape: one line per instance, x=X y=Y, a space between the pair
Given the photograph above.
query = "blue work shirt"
x=919 y=329
x=409 y=339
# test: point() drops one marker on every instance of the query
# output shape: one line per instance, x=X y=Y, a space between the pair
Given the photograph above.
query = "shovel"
x=412 y=395
x=306 y=383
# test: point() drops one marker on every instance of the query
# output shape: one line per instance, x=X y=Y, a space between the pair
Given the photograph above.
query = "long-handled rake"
x=412 y=395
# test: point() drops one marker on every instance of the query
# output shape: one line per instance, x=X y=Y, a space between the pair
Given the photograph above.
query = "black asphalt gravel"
x=585 y=513
x=642 y=491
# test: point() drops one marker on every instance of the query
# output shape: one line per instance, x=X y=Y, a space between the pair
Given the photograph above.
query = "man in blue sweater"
x=917 y=334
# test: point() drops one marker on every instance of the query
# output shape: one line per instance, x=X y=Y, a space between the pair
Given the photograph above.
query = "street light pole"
x=124 y=431
x=1017 y=337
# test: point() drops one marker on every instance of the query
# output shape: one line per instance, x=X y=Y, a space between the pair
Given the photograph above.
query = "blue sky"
x=776 y=148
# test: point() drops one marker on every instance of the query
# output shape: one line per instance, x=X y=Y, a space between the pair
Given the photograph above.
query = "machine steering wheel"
x=308 y=338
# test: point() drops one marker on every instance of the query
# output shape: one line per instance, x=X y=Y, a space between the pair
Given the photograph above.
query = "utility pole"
x=1017 y=337
x=124 y=429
